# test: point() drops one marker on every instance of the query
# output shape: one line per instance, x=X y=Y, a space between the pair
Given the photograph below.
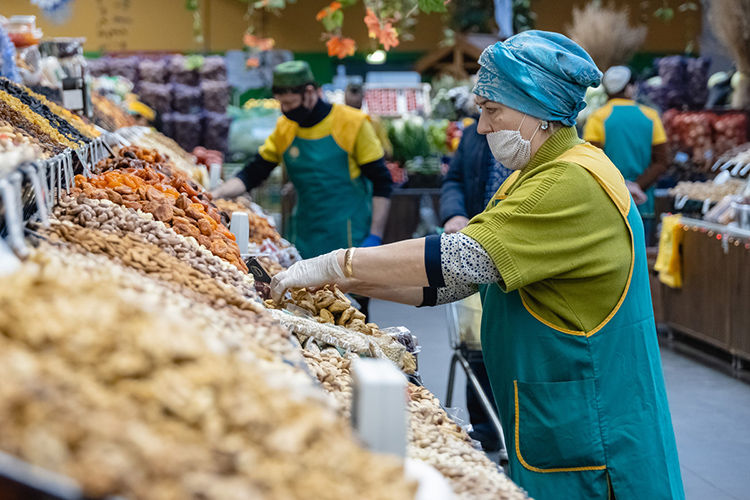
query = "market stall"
x=140 y=357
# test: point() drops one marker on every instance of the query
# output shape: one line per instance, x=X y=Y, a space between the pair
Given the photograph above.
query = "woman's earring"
x=545 y=124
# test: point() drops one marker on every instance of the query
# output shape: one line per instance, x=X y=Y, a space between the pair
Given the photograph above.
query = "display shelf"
x=711 y=305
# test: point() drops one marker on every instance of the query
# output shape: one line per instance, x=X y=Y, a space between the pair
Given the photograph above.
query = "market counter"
x=712 y=306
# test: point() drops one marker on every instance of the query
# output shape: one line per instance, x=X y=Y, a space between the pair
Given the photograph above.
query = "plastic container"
x=742 y=214
x=23 y=32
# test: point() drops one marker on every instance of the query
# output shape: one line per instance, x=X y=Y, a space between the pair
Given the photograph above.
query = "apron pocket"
x=557 y=426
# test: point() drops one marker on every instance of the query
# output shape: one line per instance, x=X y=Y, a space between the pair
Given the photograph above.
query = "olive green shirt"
x=558 y=238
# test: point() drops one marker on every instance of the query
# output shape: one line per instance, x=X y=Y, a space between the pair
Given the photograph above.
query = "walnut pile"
x=329 y=305
x=112 y=218
x=128 y=401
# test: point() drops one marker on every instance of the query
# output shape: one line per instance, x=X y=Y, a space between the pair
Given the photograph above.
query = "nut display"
x=708 y=190
x=127 y=400
x=433 y=436
x=132 y=251
x=112 y=218
x=149 y=185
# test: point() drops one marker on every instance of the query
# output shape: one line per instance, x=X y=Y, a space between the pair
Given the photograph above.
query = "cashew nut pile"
x=128 y=400
x=132 y=251
x=112 y=218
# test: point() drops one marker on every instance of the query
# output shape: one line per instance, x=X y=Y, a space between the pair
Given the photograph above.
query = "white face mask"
x=510 y=148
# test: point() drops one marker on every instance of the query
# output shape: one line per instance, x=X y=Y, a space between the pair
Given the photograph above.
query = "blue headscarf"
x=539 y=73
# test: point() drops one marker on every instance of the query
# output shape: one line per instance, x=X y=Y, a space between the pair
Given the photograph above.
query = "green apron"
x=333 y=210
x=582 y=410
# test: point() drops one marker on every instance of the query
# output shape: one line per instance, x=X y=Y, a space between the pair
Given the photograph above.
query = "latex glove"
x=637 y=193
x=372 y=241
x=456 y=223
x=307 y=273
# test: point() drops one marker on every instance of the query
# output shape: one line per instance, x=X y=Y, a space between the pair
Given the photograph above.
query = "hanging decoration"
x=388 y=22
x=56 y=10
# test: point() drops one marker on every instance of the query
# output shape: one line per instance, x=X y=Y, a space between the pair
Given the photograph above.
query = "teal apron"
x=583 y=411
x=333 y=210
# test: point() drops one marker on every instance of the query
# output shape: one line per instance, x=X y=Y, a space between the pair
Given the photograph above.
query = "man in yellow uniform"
x=335 y=161
x=633 y=137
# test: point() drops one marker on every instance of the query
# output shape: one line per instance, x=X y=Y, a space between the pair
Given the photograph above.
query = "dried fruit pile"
x=109 y=115
x=144 y=180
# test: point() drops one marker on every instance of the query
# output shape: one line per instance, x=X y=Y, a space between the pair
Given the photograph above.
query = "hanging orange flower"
x=253 y=62
x=341 y=47
x=328 y=10
x=373 y=23
x=388 y=36
x=262 y=44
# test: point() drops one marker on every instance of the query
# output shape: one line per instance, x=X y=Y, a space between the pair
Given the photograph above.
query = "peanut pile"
x=132 y=251
x=112 y=218
x=96 y=382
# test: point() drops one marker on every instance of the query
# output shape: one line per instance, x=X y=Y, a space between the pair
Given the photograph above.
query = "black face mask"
x=298 y=114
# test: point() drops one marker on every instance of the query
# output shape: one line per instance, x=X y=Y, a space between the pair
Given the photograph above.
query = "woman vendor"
x=558 y=255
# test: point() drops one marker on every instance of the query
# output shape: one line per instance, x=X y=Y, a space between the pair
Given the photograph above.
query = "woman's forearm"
x=409 y=295
x=400 y=264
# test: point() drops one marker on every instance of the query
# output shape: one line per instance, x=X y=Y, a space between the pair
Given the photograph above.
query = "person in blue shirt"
x=633 y=137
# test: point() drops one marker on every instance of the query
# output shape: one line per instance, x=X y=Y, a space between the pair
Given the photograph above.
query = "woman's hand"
x=308 y=274
x=456 y=223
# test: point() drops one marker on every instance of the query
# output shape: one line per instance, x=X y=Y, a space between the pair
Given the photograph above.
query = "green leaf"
x=665 y=14
x=347 y=3
x=338 y=18
x=191 y=5
x=688 y=6
x=428 y=6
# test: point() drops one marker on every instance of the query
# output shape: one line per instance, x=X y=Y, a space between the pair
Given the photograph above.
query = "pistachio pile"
x=112 y=218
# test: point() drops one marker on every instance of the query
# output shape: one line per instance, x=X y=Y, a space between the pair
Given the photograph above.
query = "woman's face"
x=496 y=117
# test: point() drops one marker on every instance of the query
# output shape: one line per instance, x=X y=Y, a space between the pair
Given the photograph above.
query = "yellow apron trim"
x=286 y=131
x=317 y=131
x=537 y=469
x=604 y=171
x=614 y=188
